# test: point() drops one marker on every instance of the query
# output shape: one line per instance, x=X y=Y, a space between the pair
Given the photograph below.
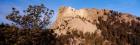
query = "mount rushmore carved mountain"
x=87 y=26
x=96 y=27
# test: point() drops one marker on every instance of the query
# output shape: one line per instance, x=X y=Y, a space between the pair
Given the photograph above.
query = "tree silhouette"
x=35 y=16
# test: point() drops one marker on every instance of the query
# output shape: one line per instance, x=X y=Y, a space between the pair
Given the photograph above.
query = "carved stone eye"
x=138 y=18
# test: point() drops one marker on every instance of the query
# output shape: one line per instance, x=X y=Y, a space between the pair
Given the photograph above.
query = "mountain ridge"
x=102 y=23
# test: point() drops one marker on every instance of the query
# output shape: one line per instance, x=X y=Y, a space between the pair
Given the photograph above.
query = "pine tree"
x=35 y=16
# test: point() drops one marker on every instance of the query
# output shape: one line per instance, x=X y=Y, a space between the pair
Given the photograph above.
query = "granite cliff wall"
x=96 y=27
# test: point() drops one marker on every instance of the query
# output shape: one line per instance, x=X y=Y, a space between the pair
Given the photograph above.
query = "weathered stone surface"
x=96 y=27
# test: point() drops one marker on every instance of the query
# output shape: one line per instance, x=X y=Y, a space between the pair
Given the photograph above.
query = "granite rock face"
x=96 y=27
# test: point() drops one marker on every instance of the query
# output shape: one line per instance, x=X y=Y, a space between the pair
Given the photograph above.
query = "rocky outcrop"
x=96 y=27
